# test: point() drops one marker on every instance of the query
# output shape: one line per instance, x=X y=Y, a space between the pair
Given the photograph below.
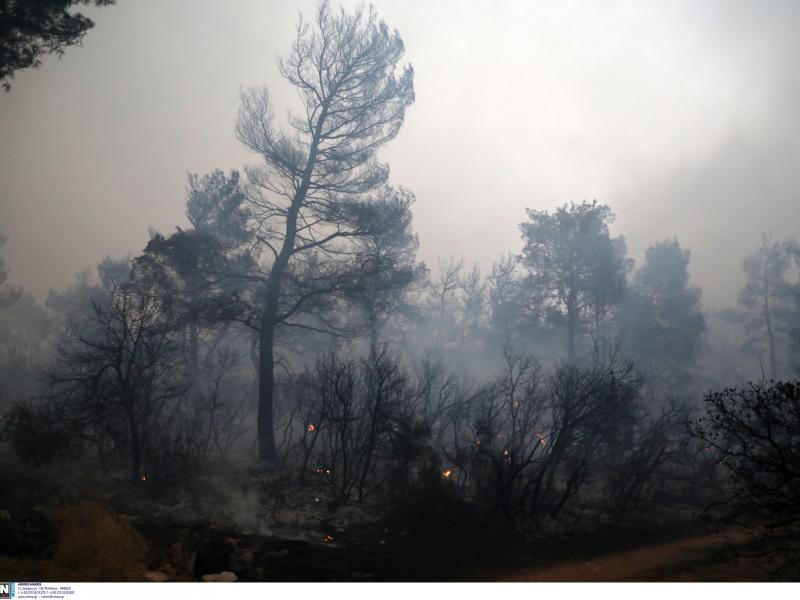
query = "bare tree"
x=473 y=290
x=443 y=293
x=321 y=189
x=118 y=372
x=507 y=435
x=753 y=433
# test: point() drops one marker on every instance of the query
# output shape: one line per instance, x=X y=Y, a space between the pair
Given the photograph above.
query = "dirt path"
x=689 y=559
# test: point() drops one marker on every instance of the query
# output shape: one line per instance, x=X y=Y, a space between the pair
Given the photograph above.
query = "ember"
x=311 y=427
x=328 y=539
x=142 y=477
x=447 y=473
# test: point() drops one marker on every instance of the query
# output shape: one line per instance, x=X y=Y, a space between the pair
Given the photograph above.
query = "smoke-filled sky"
x=681 y=115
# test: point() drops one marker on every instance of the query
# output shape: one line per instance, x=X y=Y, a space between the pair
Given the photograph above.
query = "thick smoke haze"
x=459 y=290
x=681 y=116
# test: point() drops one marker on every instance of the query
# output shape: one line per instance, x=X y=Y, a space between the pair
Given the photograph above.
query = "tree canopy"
x=30 y=29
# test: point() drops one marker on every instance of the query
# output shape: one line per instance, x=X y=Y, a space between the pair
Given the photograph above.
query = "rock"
x=223 y=577
x=156 y=576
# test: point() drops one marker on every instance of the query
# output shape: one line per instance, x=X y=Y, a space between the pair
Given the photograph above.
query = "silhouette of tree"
x=389 y=275
x=201 y=268
x=754 y=432
x=8 y=293
x=662 y=323
x=30 y=29
x=117 y=371
x=576 y=270
x=321 y=191
x=766 y=296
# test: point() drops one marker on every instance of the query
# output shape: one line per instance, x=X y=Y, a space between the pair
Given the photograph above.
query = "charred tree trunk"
x=770 y=332
x=136 y=444
x=371 y=443
x=266 y=365
x=572 y=324
x=267 y=451
x=194 y=361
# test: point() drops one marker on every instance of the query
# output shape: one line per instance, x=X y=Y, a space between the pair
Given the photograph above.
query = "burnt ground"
x=376 y=553
x=68 y=526
x=680 y=552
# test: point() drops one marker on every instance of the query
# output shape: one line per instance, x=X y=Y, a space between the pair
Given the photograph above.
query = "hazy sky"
x=682 y=116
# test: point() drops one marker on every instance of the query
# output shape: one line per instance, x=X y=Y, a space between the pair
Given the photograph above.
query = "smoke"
x=679 y=116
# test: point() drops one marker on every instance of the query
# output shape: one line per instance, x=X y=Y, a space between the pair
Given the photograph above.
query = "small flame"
x=142 y=477
x=328 y=539
x=311 y=427
x=447 y=473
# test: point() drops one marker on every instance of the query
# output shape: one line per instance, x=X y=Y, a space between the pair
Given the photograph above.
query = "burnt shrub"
x=754 y=434
x=39 y=436
x=435 y=509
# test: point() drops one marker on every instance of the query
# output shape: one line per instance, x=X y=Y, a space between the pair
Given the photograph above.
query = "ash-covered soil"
x=248 y=525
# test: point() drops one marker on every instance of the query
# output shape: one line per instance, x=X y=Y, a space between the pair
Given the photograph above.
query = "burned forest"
x=523 y=354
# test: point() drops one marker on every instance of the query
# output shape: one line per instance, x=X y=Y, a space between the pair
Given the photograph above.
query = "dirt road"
x=689 y=559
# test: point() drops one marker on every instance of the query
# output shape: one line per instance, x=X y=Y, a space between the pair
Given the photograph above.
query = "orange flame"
x=447 y=473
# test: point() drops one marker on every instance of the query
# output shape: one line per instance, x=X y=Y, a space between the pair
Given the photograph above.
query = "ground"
x=694 y=558
x=260 y=528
